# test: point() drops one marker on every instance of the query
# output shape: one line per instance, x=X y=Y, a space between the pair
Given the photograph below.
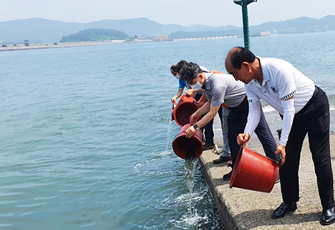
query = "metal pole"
x=244 y=5
x=245 y=26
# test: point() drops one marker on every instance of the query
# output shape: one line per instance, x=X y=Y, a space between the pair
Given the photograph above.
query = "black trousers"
x=314 y=120
x=209 y=133
x=237 y=120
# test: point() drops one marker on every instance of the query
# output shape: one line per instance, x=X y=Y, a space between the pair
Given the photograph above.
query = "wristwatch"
x=195 y=126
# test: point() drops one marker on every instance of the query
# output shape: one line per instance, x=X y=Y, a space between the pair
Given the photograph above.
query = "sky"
x=181 y=12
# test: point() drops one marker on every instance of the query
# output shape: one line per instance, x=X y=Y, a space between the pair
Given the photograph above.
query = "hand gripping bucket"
x=254 y=171
x=184 y=109
x=188 y=147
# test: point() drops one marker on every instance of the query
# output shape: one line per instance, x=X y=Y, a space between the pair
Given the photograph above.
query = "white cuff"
x=254 y=117
x=288 y=116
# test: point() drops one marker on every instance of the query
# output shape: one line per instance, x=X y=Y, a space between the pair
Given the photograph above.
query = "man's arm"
x=205 y=120
x=288 y=116
x=203 y=109
x=209 y=116
x=178 y=94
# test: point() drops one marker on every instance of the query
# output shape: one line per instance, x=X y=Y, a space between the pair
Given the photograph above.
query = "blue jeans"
x=224 y=112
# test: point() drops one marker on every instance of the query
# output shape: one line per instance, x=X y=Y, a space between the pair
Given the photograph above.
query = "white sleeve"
x=288 y=116
x=254 y=117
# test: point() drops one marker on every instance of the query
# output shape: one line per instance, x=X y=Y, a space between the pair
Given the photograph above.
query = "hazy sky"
x=182 y=12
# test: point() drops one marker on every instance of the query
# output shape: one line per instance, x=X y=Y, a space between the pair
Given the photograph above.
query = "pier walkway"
x=245 y=209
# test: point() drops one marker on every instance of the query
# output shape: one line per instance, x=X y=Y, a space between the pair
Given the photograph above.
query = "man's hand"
x=173 y=99
x=189 y=92
x=199 y=104
x=242 y=138
x=194 y=118
x=281 y=150
x=190 y=132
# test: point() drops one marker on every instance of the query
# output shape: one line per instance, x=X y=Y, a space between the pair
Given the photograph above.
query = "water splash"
x=168 y=136
x=189 y=174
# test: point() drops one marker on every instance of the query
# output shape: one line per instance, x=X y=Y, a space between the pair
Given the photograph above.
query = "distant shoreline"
x=12 y=47
x=32 y=46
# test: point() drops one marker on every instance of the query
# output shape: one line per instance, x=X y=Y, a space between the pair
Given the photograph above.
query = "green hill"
x=95 y=35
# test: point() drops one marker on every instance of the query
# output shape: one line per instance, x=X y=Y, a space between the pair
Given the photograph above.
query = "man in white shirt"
x=223 y=89
x=304 y=108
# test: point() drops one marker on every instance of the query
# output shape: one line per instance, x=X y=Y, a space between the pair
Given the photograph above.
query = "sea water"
x=85 y=139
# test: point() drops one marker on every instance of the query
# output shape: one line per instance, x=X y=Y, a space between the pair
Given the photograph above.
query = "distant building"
x=204 y=38
x=161 y=38
x=118 y=41
x=140 y=37
x=266 y=33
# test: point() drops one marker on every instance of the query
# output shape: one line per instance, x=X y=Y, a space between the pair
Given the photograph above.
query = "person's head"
x=240 y=63
x=175 y=69
x=191 y=73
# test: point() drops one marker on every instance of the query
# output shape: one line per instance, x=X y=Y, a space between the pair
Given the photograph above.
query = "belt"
x=243 y=101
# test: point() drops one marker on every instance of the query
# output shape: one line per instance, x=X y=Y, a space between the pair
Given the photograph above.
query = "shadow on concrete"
x=218 y=182
x=212 y=165
x=262 y=217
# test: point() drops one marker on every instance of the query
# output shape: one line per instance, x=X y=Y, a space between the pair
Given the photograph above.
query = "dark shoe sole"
x=208 y=147
x=329 y=218
x=221 y=160
x=289 y=211
x=227 y=176
x=327 y=223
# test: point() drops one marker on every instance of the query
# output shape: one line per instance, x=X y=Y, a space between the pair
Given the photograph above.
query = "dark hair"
x=240 y=55
x=176 y=68
x=189 y=72
x=173 y=67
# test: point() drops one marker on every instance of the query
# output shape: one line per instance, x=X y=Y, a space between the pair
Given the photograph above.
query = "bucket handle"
x=278 y=156
x=278 y=159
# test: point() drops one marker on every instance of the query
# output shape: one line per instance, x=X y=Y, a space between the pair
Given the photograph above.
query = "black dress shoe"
x=227 y=176
x=208 y=146
x=328 y=216
x=283 y=209
x=221 y=159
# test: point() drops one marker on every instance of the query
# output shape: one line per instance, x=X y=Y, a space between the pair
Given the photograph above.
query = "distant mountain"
x=38 y=30
x=298 y=25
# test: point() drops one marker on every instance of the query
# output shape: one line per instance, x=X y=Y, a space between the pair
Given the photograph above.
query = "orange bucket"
x=188 y=147
x=184 y=109
x=254 y=171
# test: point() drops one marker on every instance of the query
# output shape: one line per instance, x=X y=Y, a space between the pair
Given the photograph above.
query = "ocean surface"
x=85 y=132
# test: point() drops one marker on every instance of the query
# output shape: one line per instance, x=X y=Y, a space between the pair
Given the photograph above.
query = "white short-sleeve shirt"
x=281 y=80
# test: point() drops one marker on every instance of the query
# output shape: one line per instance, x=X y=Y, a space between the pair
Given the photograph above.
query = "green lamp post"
x=244 y=4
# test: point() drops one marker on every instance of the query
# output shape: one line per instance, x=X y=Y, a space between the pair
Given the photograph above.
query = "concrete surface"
x=245 y=209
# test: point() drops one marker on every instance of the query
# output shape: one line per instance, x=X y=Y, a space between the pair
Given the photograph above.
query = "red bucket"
x=188 y=147
x=254 y=171
x=184 y=109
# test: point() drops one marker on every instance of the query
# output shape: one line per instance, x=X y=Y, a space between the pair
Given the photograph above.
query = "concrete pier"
x=245 y=209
